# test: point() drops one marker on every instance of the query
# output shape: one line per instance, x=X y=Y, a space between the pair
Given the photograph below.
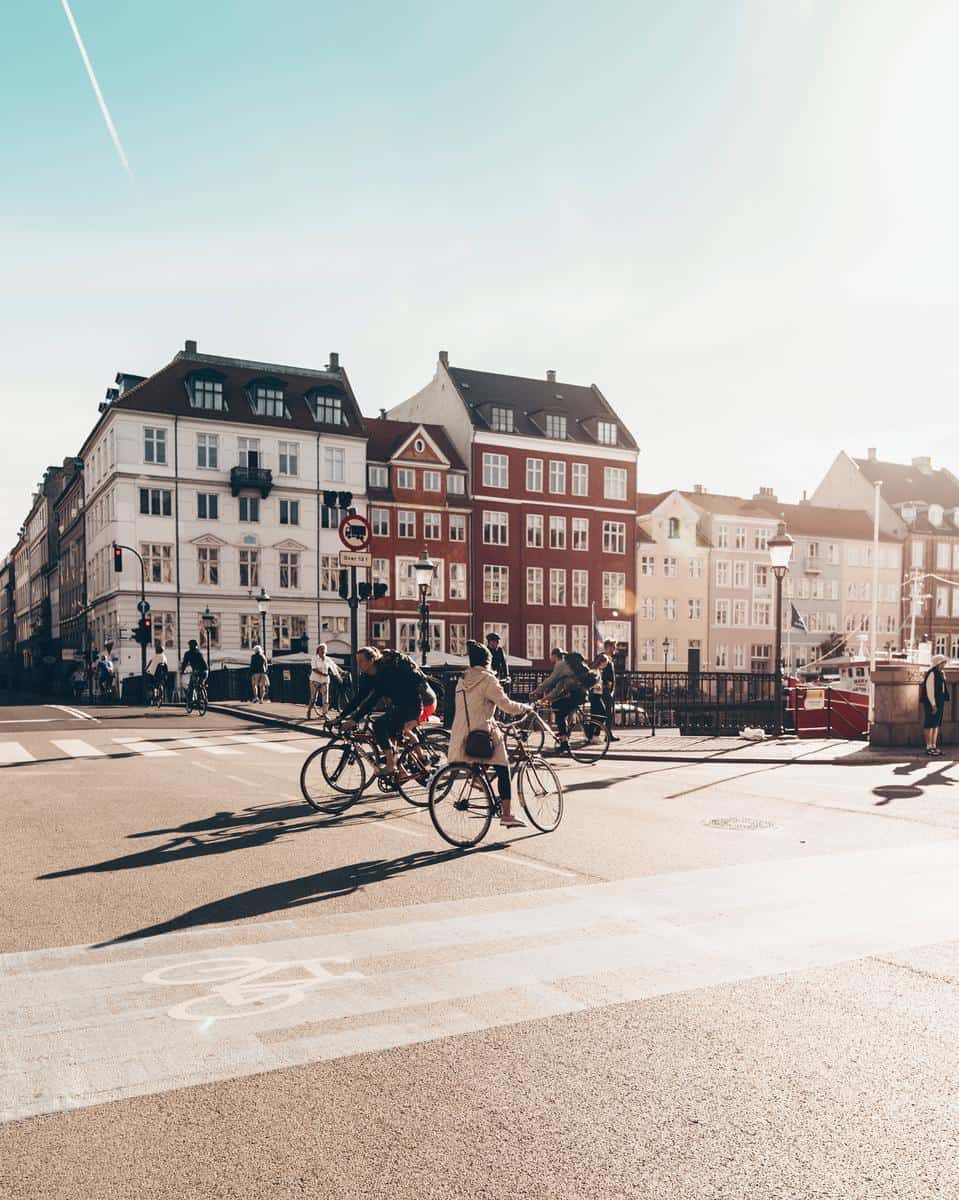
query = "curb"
x=264 y=719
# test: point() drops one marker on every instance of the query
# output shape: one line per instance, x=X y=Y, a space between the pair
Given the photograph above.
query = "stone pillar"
x=897 y=714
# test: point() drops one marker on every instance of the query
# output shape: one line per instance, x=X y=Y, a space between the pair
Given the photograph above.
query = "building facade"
x=71 y=565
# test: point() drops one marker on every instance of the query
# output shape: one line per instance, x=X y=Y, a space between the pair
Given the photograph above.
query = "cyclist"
x=498 y=663
x=396 y=678
x=105 y=674
x=565 y=689
x=196 y=663
x=158 y=669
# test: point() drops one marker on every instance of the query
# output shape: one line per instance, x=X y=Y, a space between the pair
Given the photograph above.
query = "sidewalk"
x=639 y=745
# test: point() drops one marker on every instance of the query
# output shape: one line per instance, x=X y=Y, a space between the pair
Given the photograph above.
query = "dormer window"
x=326 y=410
x=909 y=513
x=501 y=420
x=556 y=426
x=207 y=394
x=269 y=400
x=607 y=433
x=935 y=514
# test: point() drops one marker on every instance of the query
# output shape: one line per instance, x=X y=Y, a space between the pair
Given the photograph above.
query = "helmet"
x=192 y=643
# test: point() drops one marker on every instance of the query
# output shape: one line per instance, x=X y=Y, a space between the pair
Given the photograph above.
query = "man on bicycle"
x=158 y=668
x=196 y=663
x=395 y=678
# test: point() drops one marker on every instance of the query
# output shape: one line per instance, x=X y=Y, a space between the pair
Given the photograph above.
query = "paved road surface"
x=711 y=981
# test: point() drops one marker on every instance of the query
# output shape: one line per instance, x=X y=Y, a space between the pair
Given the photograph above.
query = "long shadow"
x=266 y=814
x=936 y=778
x=295 y=893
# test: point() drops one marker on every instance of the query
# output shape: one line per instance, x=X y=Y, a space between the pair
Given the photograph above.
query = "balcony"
x=258 y=479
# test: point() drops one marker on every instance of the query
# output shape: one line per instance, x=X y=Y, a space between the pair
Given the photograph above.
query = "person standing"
x=321 y=671
x=609 y=686
x=497 y=657
x=259 y=680
x=933 y=696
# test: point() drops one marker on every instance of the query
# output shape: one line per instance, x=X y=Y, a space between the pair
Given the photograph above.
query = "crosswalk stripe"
x=77 y=748
x=202 y=744
x=147 y=749
x=249 y=739
x=13 y=752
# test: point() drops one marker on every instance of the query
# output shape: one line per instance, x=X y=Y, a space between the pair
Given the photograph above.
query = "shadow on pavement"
x=937 y=778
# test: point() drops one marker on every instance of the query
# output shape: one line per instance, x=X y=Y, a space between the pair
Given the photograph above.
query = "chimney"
x=699 y=489
x=765 y=493
x=334 y=363
x=871 y=454
x=189 y=346
x=550 y=376
x=382 y=414
x=445 y=358
x=805 y=498
x=923 y=465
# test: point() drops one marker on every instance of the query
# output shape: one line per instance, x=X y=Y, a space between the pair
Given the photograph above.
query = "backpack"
x=103 y=671
x=586 y=678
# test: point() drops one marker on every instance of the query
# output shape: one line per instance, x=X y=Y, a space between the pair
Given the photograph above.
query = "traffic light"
x=344 y=588
x=117 y=559
x=364 y=590
x=144 y=631
x=329 y=500
x=345 y=500
x=380 y=590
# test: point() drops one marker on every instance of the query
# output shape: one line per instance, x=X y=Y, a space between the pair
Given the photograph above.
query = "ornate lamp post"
x=424 y=570
x=666 y=645
x=263 y=604
x=209 y=621
x=780 y=551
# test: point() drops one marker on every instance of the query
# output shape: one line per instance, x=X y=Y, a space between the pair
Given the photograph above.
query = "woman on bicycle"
x=158 y=667
x=478 y=696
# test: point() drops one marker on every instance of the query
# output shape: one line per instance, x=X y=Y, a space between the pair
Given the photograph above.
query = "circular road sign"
x=355 y=533
x=143 y=607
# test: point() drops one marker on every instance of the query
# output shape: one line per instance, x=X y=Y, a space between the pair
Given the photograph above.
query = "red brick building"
x=553 y=483
x=417 y=499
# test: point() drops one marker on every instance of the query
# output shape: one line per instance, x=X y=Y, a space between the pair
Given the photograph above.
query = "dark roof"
x=802 y=520
x=386 y=437
x=902 y=482
x=166 y=392
x=583 y=406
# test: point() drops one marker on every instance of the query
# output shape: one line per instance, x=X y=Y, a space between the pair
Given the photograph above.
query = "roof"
x=646 y=502
x=643 y=537
x=386 y=437
x=583 y=406
x=166 y=392
x=802 y=520
x=902 y=482
x=732 y=506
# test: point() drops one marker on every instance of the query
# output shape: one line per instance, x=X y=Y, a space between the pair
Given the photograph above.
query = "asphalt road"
x=711 y=981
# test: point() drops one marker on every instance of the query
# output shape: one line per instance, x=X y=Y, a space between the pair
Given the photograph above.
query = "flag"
x=796 y=620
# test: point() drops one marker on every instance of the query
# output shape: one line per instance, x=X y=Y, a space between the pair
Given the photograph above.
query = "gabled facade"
x=553 y=480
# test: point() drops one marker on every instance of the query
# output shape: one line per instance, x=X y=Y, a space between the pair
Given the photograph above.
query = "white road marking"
x=73 y=712
x=77 y=748
x=13 y=752
x=147 y=749
x=249 y=739
x=204 y=767
x=86 y=1025
x=198 y=743
x=513 y=861
x=29 y=721
x=396 y=827
x=245 y=782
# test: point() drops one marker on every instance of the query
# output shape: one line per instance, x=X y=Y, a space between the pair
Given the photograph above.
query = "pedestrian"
x=609 y=686
x=259 y=680
x=322 y=669
x=78 y=680
x=478 y=696
x=933 y=696
x=497 y=658
x=598 y=706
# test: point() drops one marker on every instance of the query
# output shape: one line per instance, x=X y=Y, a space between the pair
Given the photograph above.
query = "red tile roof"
x=386 y=437
x=803 y=520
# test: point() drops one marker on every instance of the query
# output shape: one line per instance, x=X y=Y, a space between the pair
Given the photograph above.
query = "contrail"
x=96 y=88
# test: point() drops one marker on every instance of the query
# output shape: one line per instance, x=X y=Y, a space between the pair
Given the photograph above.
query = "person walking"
x=478 y=696
x=498 y=663
x=259 y=680
x=609 y=686
x=322 y=669
x=933 y=696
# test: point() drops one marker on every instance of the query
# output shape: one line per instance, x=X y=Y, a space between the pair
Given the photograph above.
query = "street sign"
x=143 y=607
x=356 y=558
x=355 y=533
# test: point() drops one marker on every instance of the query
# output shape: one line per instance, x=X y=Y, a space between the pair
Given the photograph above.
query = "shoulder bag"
x=479 y=742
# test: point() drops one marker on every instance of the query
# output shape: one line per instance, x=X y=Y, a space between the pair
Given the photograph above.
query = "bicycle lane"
x=85 y=1025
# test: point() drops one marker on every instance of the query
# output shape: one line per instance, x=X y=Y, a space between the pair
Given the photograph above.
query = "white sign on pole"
x=356 y=558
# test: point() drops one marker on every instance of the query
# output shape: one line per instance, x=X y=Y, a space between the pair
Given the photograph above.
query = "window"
x=557 y=585
x=157 y=562
x=249 y=508
x=722 y=612
x=647 y=650
x=739 y=658
x=156 y=502
x=556 y=426
x=534 y=585
x=289 y=458
x=940 y=643
x=289 y=512
x=380 y=522
x=760 y=539
x=760 y=577
x=455 y=486
x=918 y=554
x=326 y=410
x=557 y=637
x=722 y=656
x=457 y=524
x=614 y=483
x=579 y=639
x=406 y=478
x=329 y=517
x=164 y=628
x=534 y=641
x=740 y=574
x=557 y=478
x=208 y=450
x=579 y=481
x=248 y=452
x=695 y=610
x=208 y=564
x=740 y=612
x=501 y=628
x=740 y=537
x=457 y=635
x=286 y=630
x=722 y=572
x=495 y=584
x=495 y=471
x=670 y=567
x=380 y=630
x=722 y=537
x=580 y=533
x=379 y=572
x=334 y=464
x=607 y=433
x=211 y=631
x=432 y=526
x=432 y=481
x=670 y=609
x=647 y=564
x=648 y=608
x=534 y=530
x=614 y=589
x=614 y=539
x=762 y=612
x=377 y=477
x=761 y=655
x=268 y=401
x=207 y=506
x=457 y=581
x=495 y=529
x=289 y=569
x=943 y=556
x=534 y=474
x=154 y=445
x=942 y=602
x=249 y=568
x=557 y=533
x=406 y=523
x=580 y=580
x=501 y=420
x=207 y=393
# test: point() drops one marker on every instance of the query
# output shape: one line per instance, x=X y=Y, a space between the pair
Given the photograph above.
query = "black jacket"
x=395 y=680
x=609 y=679
x=498 y=664
x=257 y=664
x=195 y=660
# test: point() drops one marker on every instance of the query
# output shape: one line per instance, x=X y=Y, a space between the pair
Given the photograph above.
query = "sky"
x=736 y=218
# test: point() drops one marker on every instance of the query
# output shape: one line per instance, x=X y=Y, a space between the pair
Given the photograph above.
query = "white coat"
x=479 y=692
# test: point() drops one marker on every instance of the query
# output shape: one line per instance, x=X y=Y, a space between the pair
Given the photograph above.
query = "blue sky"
x=736 y=218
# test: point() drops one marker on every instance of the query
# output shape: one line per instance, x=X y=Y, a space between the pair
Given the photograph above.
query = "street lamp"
x=666 y=654
x=780 y=551
x=263 y=604
x=209 y=620
x=423 y=571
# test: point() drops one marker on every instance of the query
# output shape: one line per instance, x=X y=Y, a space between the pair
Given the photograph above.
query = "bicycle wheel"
x=201 y=701
x=461 y=804
x=588 y=738
x=437 y=741
x=343 y=767
x=540 y=793
x=316 y=791
x=532 y=735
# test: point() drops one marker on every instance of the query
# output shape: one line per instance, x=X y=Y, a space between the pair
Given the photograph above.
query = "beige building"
x=672 y=582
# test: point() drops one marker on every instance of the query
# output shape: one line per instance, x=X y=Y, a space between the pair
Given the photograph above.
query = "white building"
x=214 y=471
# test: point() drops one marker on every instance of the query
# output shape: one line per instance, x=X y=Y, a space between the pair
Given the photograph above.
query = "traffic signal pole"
x=118 y=567
x=354 y=603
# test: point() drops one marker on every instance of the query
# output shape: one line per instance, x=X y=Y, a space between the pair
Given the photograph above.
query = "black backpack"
x=586 y=678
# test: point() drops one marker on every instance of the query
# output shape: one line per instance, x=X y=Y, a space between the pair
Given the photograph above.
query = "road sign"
x=356 y=558
x=355 y=533
x=143 y=607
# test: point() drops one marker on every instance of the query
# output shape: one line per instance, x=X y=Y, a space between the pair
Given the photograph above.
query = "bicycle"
x=156 y=696
x=196 y=697
x=588 y=735
x=461 y=801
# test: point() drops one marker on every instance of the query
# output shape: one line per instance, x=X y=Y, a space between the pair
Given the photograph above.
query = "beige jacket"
x=479 y=693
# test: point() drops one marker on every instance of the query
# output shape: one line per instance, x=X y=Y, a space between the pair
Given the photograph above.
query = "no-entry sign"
x=355 y=533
